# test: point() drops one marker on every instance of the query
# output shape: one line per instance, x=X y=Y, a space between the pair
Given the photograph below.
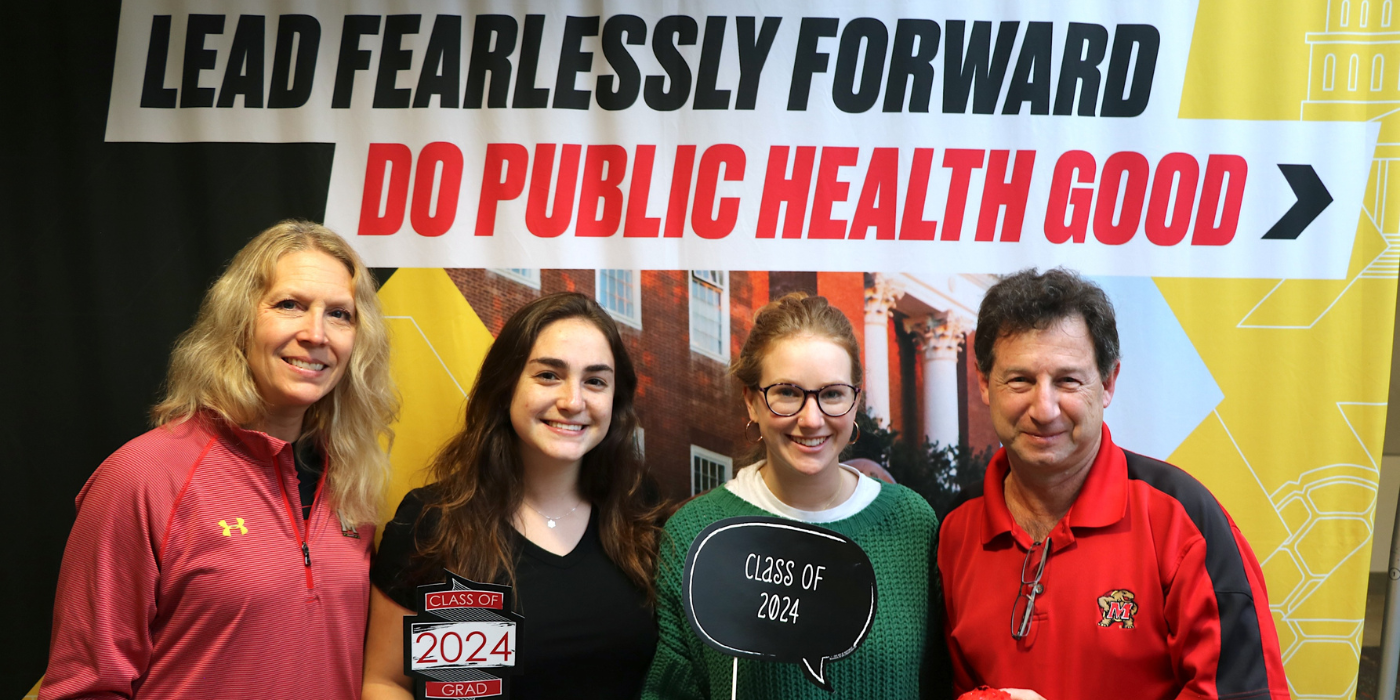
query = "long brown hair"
x=478 y=473
x=209 y=367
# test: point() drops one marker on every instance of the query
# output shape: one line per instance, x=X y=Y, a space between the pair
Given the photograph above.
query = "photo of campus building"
x=682 y=327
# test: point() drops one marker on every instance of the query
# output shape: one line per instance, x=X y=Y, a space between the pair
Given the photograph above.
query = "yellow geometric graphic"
x=438 y=343
x=1367 y=423
x=1293 y=449
x=1375 y=255
x=1352 y=63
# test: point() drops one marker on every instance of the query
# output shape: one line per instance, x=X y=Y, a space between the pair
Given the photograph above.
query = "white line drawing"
x=1374 y=466
x=410 y=319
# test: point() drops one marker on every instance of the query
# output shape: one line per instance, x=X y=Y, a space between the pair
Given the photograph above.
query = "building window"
x=528 y=277
x=708 y=469
x=1385 y=13
x=1329 y=72
x=1365 y=12
x=1377 y=72
x=618 y=293
x=709 y=313
x=1353 y=68
x=1346 y=12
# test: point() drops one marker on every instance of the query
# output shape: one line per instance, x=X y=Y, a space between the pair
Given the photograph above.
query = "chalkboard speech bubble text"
x=781 y=590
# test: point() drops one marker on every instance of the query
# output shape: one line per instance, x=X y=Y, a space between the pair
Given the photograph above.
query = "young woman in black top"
x=543 y=489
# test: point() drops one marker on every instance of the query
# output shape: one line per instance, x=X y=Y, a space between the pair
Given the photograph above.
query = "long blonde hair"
x=209 y=367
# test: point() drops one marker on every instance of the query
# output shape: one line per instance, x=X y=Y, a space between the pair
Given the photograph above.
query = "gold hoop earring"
x=855 y=438
x=746 y=433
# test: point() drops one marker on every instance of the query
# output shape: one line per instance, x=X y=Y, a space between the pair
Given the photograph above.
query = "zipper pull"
x=306 y=553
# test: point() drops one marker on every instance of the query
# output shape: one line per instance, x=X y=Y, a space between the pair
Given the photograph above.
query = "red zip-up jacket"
x=1150 y=592
x=189 y=573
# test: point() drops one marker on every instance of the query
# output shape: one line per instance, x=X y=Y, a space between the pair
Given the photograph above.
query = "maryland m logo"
x=228 y=529
x=1118 y=606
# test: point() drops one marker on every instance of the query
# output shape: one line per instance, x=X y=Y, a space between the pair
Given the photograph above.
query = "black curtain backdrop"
x=106 y=252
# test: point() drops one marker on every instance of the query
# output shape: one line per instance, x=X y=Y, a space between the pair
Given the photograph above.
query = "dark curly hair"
x=1030 y=300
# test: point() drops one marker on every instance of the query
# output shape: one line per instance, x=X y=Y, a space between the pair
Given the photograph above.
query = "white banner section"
x=839 y=136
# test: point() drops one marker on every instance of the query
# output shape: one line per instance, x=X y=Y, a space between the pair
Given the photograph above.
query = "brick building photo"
x=682 y=328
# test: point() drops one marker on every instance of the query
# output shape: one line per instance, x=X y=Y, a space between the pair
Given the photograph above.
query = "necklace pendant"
x=550 y=522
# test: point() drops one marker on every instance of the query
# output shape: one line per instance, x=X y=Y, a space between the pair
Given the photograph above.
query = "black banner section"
x=110 y=247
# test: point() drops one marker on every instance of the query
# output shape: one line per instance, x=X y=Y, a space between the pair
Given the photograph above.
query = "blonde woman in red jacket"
x=225 y=553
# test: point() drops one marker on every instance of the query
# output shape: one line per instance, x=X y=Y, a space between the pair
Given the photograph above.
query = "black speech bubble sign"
x=823 y=584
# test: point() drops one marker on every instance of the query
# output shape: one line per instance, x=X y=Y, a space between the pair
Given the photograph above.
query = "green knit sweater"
x=898 y=531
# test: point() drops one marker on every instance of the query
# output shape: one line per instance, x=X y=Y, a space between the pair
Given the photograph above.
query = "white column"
x=938 y=341
x=879 y=300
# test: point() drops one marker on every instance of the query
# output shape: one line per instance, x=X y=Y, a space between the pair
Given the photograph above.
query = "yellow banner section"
x=1294 y=449
x=439 y=343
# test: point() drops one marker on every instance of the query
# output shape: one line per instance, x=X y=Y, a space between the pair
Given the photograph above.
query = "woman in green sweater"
x=801 y=374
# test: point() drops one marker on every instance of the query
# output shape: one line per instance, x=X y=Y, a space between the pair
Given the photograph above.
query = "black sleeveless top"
x=587 y=632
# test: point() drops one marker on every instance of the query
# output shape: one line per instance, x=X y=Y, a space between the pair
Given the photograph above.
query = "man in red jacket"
x=1079 y=569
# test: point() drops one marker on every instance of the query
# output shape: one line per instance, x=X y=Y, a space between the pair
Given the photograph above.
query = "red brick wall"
x=685 y=398
x=495 y=297
x=846 y=291
x=913 y=388
x=896 y=377
x=906 y=370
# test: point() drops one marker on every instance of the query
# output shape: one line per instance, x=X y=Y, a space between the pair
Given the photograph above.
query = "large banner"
x=1222 y=171
x=858 y=136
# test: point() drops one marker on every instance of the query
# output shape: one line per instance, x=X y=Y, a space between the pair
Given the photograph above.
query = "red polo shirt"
x=1150 y=591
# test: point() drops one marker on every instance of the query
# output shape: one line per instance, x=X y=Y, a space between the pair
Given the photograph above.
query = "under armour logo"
x=228 y=529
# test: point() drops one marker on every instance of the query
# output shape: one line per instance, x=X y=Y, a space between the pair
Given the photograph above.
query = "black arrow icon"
x=1312 y=196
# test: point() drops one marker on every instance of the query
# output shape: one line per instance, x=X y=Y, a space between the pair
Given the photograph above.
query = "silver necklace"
x=550 y=521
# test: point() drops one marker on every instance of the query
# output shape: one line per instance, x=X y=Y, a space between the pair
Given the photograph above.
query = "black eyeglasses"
x=1021 y=616
x=785 y=400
